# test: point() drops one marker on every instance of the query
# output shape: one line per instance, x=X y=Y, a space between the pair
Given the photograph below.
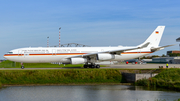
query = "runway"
x=120 y=66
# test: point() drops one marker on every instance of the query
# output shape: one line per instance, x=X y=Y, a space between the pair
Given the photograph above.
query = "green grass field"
x=11 y=64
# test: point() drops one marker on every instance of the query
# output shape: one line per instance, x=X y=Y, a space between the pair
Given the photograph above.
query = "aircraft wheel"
x=85 y=66
x=97 y=66
x=92 y=66
x=22 y=67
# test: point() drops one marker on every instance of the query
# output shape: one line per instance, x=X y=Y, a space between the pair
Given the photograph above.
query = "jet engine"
x=105 y=56
x=78 y=60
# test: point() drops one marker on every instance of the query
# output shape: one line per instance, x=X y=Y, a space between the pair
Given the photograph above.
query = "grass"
x=11 y=64
x=169 y=78
x=7 y=63
x=15 y=77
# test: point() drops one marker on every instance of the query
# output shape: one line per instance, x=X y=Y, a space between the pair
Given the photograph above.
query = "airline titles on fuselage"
x=48 y=51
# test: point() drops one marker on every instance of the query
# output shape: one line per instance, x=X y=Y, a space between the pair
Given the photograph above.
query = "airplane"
x=89 y=56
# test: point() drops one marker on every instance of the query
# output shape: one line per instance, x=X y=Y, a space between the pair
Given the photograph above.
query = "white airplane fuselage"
x=59 y=54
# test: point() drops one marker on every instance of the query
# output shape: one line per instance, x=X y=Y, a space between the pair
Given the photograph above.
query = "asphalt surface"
x=121 y=66
x=143 y=66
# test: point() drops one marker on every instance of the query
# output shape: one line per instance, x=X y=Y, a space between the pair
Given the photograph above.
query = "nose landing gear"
x=22 y=66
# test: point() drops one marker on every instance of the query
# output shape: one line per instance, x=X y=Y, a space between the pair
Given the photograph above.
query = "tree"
x=163 y=55
x=174 y=54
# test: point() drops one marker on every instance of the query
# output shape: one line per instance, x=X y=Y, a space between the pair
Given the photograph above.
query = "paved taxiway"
x=121 y=66
x=143 y=66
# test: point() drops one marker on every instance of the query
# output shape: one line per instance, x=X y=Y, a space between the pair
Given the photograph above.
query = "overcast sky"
x=25 y=23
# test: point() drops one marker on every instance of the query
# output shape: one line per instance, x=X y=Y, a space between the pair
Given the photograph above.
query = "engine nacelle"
x=78 y=60
x=105 y=56
x=66 y=61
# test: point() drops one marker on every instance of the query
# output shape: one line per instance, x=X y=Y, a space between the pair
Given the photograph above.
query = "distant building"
x=147 y=60
x=173 y=51
x=171 y=60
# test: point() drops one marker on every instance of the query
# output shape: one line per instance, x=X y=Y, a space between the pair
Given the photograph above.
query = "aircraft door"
x=139 y=51
x=54 y=52
x=20 y=53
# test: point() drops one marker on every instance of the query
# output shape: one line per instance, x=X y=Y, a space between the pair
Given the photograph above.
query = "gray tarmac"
x=143 y=66
x=120 y=66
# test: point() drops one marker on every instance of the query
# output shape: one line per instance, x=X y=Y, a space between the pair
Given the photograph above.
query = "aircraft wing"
x=111 y=51
x=128 y=49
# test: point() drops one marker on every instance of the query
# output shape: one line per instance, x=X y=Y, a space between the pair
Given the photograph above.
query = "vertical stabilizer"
x=155 y=38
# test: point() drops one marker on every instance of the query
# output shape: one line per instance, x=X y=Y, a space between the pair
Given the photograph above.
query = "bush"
x=0 y=85
x=168 y=78
x=60 y=76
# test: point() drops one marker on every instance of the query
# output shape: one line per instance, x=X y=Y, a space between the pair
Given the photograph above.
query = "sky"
x=28 y=23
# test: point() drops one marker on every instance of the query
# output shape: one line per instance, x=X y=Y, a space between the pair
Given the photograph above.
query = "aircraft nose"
x=5 y=56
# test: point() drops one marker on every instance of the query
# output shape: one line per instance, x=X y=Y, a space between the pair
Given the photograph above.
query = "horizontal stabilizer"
x=162 y=47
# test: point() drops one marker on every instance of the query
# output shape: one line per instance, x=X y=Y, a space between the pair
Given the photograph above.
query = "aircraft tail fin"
x=155 y=38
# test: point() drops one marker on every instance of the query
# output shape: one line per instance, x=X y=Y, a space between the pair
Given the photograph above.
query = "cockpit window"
x=10 y=52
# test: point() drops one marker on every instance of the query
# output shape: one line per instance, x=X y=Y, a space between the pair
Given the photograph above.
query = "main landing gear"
x=91 y=66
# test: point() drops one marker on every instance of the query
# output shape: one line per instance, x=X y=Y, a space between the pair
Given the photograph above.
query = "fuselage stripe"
x=68 y=54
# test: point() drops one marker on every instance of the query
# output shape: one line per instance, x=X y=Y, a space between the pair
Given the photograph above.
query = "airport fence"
x=10 y=64
x=7 y=64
